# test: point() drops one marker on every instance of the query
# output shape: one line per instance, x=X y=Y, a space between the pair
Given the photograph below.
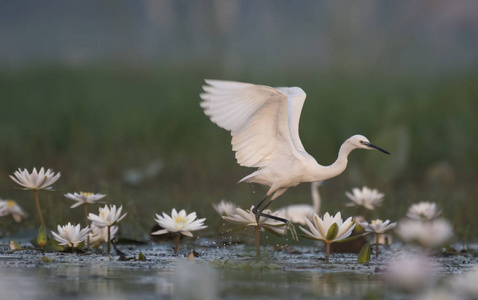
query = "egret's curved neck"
x=339 y=165
x=314 y=186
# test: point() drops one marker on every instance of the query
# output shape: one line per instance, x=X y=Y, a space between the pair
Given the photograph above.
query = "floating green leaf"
x=46 y=259
x=53 y=245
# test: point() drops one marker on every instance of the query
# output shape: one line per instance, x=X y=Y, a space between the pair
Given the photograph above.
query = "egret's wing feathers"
x=295 y=103
x=260 y=119
x=230 y=104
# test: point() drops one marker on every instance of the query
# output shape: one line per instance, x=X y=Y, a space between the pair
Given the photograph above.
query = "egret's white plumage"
x=297 y=213
x=264 y=124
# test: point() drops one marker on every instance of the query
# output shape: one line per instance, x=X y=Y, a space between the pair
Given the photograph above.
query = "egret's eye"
x=362 y=142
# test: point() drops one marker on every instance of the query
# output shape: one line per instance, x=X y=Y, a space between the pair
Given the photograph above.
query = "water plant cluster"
x=103 y=226
x=421 y=227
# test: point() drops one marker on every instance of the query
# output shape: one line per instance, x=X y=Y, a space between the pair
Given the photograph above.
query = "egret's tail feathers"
x=249 y=178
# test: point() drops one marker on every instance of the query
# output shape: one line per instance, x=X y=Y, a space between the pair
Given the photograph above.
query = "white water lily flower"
x=36 y=180
x=320 y=227
x=179 y=222
x=3 y=208
x=107 y=217
x=466 y=283
x=411 y=273
x=83 y=198
x=99 y=235
x=366 y=197
x=70 y=235
x=11 y=207
x=423 y=211
x=432 y=234
x=377 y=226
x=248 y=218
x=225 y=208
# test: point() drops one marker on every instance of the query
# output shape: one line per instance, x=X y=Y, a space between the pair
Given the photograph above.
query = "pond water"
x=226 y=272
x=77 y=282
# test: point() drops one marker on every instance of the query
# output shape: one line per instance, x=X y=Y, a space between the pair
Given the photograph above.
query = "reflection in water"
x=162 y=282
x=303 y=284
x=13 y=285
x=79 y=282
x=182 y=280
x=342 y=285
x=195 y=281
x=188 y=280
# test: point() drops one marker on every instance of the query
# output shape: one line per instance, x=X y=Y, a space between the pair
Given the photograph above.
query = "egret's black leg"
x=257 y=209
x=262 y=214
x=267 y=205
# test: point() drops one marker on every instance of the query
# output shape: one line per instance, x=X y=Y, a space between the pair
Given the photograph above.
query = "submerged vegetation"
x=140 y=137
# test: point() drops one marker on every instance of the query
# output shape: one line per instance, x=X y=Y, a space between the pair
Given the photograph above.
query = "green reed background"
x=96 y=124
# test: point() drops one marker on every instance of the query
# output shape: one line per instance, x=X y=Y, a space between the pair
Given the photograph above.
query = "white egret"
x=264 y=124
x=297 y=213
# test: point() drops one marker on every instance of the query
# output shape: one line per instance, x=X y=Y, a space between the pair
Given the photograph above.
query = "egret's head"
x=361 y=142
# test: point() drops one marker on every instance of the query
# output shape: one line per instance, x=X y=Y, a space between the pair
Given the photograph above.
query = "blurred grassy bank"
x=139 y=136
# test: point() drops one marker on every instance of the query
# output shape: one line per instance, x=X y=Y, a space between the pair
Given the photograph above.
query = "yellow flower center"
x=11 y=203
x=86 y=194
x=378 y=221
x=179 y=222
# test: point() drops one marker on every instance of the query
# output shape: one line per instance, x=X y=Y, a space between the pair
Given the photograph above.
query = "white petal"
x=188 y=233
x=162 y=231
x=76 y=204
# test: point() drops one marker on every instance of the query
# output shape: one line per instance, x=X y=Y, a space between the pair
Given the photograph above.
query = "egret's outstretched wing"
x=296 y=99
x=263 y=120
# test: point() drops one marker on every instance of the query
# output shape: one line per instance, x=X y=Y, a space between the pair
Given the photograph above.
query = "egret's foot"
x=287 y=223
x=293 y=233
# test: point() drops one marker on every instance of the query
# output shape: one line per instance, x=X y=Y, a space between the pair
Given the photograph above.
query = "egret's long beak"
x=370 y=145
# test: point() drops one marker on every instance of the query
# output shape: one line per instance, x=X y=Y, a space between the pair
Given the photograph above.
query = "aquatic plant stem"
x=87 y=225
x=376 y=245
x=109 y=239
x=364 y=212
x=177 y=243
x=258 y=241
x=327 y=251
x=38 y=208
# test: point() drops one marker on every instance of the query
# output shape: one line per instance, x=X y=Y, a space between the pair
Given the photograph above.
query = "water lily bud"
x=364 y=255
x=42 y=238
x=141 y=256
